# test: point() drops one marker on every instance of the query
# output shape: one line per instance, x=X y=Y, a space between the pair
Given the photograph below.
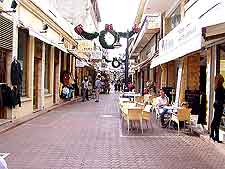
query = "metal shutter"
x=6 y=33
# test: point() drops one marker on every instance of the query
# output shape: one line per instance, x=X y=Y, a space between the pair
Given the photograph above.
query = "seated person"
x=161 y=103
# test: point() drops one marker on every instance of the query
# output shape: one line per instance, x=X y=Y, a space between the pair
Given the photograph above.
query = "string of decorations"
x=102 y=39
x=108 y=29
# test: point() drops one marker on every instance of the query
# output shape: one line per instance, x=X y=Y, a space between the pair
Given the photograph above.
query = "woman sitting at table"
x=161 y=103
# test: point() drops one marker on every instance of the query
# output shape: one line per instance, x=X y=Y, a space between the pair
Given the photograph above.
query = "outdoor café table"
x=130 y=94
x=121 y=100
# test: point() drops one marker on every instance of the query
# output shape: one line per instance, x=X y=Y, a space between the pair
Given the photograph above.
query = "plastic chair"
x=155 y=108
x=183 y=114
x=133 y=114
x=139 y=99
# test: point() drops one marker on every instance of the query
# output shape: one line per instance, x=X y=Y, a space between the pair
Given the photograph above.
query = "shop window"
x=47 y=69
x=175 y=17
x=22 y=58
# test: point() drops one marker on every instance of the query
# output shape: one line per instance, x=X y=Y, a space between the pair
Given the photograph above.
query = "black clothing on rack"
x=16 y=73
x=9 y=98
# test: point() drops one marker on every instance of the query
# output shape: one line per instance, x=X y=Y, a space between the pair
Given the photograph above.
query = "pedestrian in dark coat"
x=218 y=106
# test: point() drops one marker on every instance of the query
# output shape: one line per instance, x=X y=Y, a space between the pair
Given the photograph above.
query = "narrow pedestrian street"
x=87 y=135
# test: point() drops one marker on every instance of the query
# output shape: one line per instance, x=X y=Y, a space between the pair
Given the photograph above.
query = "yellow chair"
x=155 y=108
x=133 y=114
x=146 y=113
x=183 y=114
x=139 y=99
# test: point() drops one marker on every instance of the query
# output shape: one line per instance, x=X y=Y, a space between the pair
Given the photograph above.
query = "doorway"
x=202 y=88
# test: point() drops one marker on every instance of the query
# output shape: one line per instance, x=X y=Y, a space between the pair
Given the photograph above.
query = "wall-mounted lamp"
x=13 y=7
x=44 y=28
x=62 y=41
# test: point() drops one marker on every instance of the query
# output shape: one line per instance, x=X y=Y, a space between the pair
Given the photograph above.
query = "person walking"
x=218 y=106
x=85 y=89
x=98 y=85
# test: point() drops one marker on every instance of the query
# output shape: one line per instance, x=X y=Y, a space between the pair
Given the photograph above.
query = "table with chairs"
x=141 y=109
x=136 y=110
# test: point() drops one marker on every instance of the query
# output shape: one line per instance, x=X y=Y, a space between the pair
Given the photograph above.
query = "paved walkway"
x=87 y=136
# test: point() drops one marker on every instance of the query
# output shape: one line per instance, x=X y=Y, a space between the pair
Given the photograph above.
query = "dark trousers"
x=85 y=94
x=162 y=115
x=215 y=125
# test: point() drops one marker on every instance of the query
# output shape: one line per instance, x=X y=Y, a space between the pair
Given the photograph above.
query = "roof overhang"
x=142 y=41
x=158 y=6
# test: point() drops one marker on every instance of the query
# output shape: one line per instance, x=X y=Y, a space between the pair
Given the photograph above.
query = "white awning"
x=46 y=40
x=39 y=36
x=184 y=39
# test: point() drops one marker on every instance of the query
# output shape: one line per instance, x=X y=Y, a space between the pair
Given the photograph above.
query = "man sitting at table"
x=161 y=103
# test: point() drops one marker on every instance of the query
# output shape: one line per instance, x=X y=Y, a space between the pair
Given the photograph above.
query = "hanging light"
x=13 y=7
x=62 y=41
x=117 y=44
x=14 y=4
x=44 y=28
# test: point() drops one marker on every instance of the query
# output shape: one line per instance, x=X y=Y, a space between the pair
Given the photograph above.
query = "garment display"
x=9 y=97
x=16 y=73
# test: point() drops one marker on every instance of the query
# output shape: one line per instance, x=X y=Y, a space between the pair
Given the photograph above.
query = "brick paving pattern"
x=79 y=136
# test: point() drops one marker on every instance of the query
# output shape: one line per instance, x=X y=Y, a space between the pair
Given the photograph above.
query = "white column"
x=210 y=72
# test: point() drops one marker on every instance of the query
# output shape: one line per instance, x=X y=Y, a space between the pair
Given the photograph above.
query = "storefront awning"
x=144 y=63
x=46 y=40
x=214 y=35
x=184 y=39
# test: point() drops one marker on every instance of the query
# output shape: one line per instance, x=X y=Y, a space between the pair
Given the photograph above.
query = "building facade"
x=43 y=43
x=190 y=51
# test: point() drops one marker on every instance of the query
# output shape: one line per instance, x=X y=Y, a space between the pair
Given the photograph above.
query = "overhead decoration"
x=89 y=36
x=115 y=63
x=122 y=59
x=106 y=60
x=103 y=34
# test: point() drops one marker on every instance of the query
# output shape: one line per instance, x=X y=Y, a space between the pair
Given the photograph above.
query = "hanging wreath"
x=103 y=33
x=115 y=63
x=89 y=36
x=106 y=60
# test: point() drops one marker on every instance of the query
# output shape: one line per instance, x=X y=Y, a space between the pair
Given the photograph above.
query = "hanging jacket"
x=7 y=96
x=16 y=73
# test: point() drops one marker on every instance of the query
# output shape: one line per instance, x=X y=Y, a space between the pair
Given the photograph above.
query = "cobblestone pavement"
x=87 y=136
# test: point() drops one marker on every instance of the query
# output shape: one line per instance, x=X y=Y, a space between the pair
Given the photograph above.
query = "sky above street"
x=120 y=13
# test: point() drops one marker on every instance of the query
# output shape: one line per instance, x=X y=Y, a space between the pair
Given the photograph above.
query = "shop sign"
x=96 y=55
x=85 y=46
x=184 y=39
x=80 y=63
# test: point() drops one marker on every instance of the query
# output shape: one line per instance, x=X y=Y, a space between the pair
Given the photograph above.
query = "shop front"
x=6 y=46
x=215 y=48
x=182 y=68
